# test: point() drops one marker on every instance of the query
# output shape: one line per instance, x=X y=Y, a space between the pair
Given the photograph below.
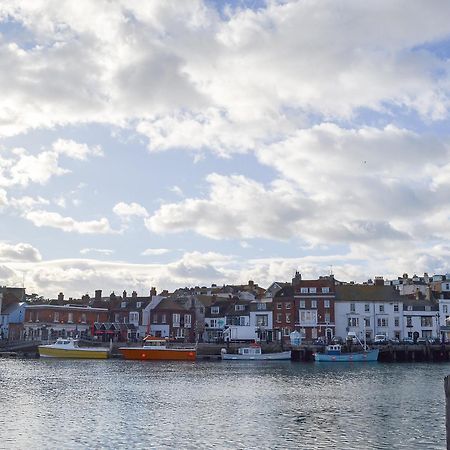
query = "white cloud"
x=155 y=251
x=41 y=218
x=128 y=210
x=75 y=150
x=19 y=252
x=102 y=251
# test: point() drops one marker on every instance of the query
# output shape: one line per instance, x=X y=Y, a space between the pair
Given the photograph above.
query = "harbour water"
x=68 y=404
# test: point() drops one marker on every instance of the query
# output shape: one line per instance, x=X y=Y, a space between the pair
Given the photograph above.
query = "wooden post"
x=447 y=408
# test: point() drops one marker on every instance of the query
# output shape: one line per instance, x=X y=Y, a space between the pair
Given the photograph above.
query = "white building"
x=373 y=309
x=421 y=319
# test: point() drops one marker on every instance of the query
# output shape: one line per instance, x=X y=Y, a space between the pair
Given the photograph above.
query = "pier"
x=388 y=352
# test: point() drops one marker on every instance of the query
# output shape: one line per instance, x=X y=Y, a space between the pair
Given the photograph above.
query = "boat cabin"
x=154 y=342
x=249 y=351
x=333 y=349
x=66 y=342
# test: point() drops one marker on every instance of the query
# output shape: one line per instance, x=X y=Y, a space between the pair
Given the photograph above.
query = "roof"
x=363 y=292
x=71 y=307
x=168 y=303
x=11 y=308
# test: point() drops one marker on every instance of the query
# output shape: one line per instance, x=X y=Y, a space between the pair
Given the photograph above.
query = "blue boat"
x=333 y=354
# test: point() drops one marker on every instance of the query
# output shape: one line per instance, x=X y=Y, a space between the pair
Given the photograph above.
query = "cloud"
x=22 y=168
x=75 y=150
x=155 y=251
x=102 y=251
x=128 y=210
x=19 y=252
x=41 y=218
x=188 y=70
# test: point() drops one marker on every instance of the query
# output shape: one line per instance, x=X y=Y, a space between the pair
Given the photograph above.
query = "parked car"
x=394 y=341
x=408 y=341
x=422 y=341
x=380 y=339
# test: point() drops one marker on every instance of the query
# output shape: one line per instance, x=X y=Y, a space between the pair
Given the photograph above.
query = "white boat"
x=68 y=348
x=253 y=353
x=333 y=354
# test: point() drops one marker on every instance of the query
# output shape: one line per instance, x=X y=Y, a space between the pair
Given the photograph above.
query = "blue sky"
x=174 y=144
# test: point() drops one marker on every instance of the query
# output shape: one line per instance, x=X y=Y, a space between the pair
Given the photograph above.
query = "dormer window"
x=214 y=310
x=123 y=305
x=239 y=307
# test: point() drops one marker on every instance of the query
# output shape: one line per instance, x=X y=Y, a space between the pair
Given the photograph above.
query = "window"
x=288 y=317
x=325 y=290
x=70 y=318
x=239 y=307
x=138 y=304
x=279 y=305
x=308 y=317
x=83 y=318
x=303 y=290
x=286 y=331
x=327 y=318
x=116 y=317
x=262 y=320
x=410 y=334
x=314 y=333
x=352 y=307
x=353 y=322
x=176 y=320
x=56 y=317
x=134 y=317
x=427 y=308
x=302 y=303
x=312 y=290
x=366 y=321
x=279 y=316
x=155 y=318
x=426 y=321
x=445 y=309
x=410 y=308
x=179 y=333
x=288 y=305
x=382 y=321
x=395 y=307
x=367 y=307
x=163 y=318
x=313 y=303
x=396 y=321
x=326 y=303
x=187 y=321
x=409 y=321
x=397 y=335
x=381 y=308
x=214 y=310
x=261 y=306
x=123 y=305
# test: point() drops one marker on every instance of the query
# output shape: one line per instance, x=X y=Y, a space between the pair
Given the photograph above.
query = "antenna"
x=331 y=270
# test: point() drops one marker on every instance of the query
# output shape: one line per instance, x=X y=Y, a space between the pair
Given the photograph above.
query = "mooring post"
x=447 y=408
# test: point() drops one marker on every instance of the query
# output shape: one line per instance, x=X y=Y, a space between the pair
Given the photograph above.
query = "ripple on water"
x=227 y=405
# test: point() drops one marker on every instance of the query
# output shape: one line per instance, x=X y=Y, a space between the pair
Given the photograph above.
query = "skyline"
x=175 y=144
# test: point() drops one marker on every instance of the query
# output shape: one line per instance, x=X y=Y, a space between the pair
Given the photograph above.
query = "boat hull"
x=263 y=357
x=370 y=356
x=150 y=354
x=80 y=353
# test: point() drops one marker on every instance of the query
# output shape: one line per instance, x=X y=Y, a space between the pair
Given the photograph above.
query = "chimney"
x=60 y=297
x=134 y=294
x=124 y=295
x=98 y=294
x=152 y=292
x=297 y=278
x=250 y=283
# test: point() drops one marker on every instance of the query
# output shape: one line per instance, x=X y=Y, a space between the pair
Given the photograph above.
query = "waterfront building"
x=215 y=320
x=11 y=320
x=46 y=321
x=306 y=306
x=421 y=318
x=370 y=308
x=173 y=320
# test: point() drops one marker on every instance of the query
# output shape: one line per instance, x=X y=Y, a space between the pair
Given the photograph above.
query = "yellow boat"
x=68 y=348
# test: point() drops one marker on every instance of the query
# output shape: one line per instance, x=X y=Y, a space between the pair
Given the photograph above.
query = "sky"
x=174 y=144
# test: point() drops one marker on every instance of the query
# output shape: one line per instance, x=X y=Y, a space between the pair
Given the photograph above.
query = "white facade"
x=375 y=317
x=424 y=323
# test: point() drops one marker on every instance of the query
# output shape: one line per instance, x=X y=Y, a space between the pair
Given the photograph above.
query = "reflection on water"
x=229 y=405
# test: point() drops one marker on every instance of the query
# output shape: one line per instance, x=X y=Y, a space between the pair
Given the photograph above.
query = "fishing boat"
x=68 y=348
x=158 y=349
x=254 y=353
x=333 y=353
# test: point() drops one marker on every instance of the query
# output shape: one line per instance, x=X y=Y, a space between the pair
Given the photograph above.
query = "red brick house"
x=306 y=306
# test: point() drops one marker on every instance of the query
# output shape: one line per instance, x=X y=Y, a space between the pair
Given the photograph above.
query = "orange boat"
x=155 y=349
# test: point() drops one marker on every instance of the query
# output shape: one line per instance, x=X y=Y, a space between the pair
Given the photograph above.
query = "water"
x=58 y=404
